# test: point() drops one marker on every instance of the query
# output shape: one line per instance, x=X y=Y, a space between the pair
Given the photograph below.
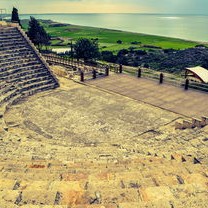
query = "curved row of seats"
x=22 y=70
x=152 y=182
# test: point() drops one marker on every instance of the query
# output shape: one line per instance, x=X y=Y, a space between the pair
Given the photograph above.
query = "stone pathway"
x=188 y=103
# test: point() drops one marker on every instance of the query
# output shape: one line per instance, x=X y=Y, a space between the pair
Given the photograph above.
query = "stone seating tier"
x=140 y=182
x=22 y=69
x=18 y=64
x=36 y=74
x=17 y=54
x=12 y=46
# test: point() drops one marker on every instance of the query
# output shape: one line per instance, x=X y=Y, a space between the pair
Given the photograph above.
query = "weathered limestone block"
x=204 y=121
x=196 y=123
x=177 y=157
x=155 y=193
x=38 y=197
x=187 y=124
x=198 y=179
x=6 y=184
x=8 y=196
x=178 y=126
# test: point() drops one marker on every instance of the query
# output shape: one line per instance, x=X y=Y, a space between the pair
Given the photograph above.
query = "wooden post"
x=82 y=76
x=107 y=71
x=186 y=84
x=120 y=68
x=139 y=74
x=94 y=74
x=71 y=54
x=161 y=78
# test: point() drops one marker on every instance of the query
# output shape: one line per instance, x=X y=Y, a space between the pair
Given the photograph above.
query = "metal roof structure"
x=200 y=73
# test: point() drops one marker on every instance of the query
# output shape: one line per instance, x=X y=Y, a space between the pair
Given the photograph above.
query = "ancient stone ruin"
x=92 y=146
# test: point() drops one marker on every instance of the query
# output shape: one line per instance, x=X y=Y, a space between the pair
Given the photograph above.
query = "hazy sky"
x=107 y=6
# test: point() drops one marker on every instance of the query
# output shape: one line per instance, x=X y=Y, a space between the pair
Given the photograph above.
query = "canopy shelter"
x=198 y=73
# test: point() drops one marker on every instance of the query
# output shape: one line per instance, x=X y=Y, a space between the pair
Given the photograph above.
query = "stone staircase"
x=23 y=71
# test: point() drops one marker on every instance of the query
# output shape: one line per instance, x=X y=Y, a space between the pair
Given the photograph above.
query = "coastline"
x=138 y=33
x=107 y=38
x=185 y=27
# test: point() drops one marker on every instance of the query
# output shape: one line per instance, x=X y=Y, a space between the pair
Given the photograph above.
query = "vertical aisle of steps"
x=23 y=71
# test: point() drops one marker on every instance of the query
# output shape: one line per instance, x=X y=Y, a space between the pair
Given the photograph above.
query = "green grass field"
x=107 y=38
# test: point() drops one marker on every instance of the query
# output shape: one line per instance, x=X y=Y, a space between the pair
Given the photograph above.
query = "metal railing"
x=77 y=66
x=198 y=86
x=78 y=70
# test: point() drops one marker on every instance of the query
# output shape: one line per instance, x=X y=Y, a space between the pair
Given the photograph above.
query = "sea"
x=189 y=27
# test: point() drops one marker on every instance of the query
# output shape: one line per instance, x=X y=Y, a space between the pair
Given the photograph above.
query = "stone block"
x=187 y=124
x=204 y=121
x=178 y=125
x=196 y=123
x=155 y=193
x=38 y=197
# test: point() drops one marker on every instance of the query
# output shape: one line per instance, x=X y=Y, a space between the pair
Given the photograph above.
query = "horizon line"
x=142 y=13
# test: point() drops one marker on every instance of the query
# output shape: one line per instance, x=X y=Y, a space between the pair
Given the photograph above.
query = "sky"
x=107 y=6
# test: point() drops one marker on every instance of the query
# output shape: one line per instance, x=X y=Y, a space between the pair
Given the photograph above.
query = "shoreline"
x=163 y=25
x=145 y=34
x=123 y=31
x=108 y=38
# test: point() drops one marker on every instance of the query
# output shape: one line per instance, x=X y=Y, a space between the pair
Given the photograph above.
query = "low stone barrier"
x=194 y=123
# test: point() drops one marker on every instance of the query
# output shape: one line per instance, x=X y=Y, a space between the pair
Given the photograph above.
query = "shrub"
x=119 y=41
x=135 y=43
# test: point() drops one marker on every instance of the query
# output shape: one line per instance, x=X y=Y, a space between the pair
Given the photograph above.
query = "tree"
x=122 y=52
x=108 y=56
x=37 y=33
x=122 y=56
x=205 y=63
x=86 y=49
x=15 y=16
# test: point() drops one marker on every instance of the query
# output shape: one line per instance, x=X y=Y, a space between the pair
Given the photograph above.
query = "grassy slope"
x=108 y=38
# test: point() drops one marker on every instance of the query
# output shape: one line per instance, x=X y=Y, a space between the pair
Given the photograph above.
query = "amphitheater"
x=66 y=144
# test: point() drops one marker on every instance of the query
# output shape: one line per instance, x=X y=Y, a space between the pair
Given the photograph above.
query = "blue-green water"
x=190 y=27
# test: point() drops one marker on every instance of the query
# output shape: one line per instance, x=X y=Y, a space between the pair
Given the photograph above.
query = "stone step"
x=10 y=44
x=7 y=96
x=71 y=194
x=11 y=58
x=127 y=179
x=24 y=75
x=14 y=73
x=17 y=63
x=15 y=53
x=9 y=47
x=8 y=87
